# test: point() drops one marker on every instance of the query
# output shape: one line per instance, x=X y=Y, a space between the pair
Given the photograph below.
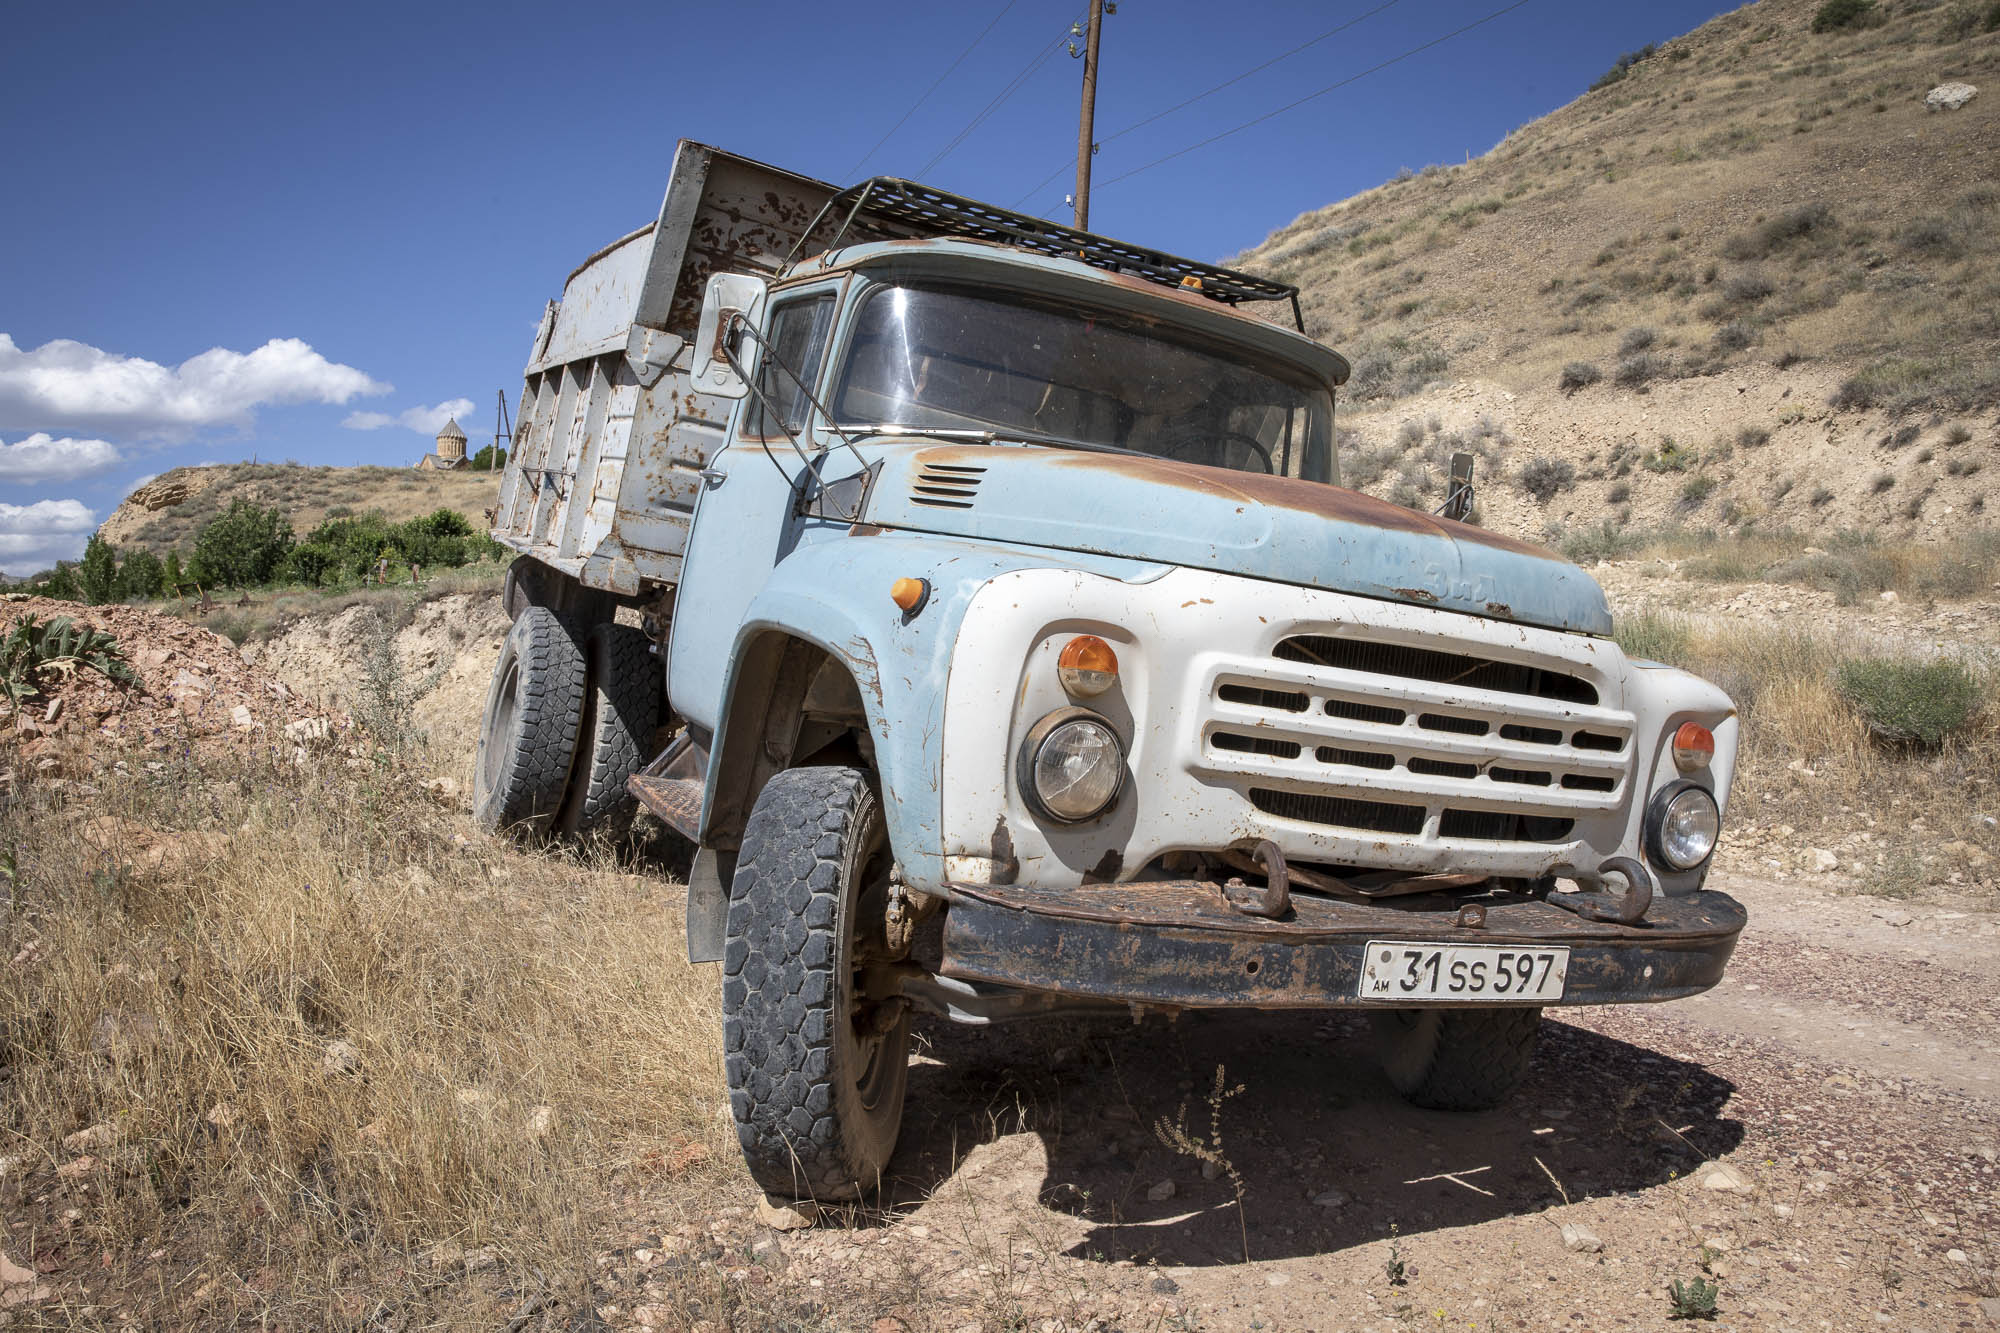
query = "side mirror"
x=1458 y=493
x=730 y=297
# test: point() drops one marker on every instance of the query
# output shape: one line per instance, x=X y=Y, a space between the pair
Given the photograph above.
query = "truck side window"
x=797 y=335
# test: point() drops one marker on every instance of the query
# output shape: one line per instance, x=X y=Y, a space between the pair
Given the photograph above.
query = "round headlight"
x=1072 y=765
x=1683 y=825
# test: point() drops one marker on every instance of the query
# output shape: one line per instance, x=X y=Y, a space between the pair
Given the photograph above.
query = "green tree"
x=491 y=458
x=141 y=575
x=312 y=561
x=441 y=538
x=174 y=578
x=98 y=574
x=1835 y=15
x=245 y=546
x=60 y=583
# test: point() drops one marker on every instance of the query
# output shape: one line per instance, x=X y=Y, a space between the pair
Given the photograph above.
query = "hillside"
x=169 y=510
x=1779 y=266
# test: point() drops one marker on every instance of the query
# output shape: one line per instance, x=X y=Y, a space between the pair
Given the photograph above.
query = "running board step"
x=675 y=800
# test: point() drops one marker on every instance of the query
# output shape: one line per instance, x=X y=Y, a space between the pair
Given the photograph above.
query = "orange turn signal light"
x=909 y=594
x=1087 y=666
x=1694 y=746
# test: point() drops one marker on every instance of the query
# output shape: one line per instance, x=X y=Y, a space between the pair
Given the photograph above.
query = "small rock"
x=1990 y=1307
x=53 y=711
x=222 y=1115
x=888 y=1323
x=481 y=1259
x=1958 y=1256
x=1330 y=1199
x=1949 y=96
x=1894 y=916
x=78 y=1169
x=1891 y=598
x=242 y=718
x=1210 y=1170
x=1722 y=1176
x=1581 y=1239
x=342 y=1057
x=541 y=1119
x=1277 y=1279
x=1166 y=1286
x=786 y=1215
x=1161 y=1192
x=1782 y=1210
x=98 y=1136
x=12 y=1274
x=1824 y=861
x=309 y=731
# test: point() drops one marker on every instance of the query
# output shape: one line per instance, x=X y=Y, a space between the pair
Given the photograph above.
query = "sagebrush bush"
x=1542 y=478
x=1906 y=702
x=1578 y=375
x=1836 y=15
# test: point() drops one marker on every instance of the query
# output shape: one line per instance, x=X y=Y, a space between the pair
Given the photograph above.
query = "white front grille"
x=1411 y=740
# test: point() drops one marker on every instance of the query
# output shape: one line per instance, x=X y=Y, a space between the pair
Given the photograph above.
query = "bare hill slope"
x=1781 y=268
x=169 y=510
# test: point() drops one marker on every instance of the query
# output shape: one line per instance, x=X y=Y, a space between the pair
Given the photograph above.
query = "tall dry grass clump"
x=336 y=1040
x=1821 y=748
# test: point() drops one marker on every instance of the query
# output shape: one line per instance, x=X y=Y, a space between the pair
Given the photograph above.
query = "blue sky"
x=307 y=232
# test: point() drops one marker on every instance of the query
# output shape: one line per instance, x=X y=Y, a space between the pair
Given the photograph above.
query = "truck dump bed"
x=611 y=441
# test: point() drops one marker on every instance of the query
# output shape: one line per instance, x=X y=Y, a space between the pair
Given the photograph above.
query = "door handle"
x=713 y=477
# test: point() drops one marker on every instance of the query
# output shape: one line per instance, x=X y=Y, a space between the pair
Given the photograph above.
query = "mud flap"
x=707 y=907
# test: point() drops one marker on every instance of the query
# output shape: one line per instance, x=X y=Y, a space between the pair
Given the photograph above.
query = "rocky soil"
x=1819 y=1136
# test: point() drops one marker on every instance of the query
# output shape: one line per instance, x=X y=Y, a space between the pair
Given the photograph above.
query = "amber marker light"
x=910 y=594
x=1087 y=666
x=1694 y=746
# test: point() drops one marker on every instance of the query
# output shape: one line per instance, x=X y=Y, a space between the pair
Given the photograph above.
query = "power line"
x=1331 y=87
x=935 y=83
x=1226 y=83
x=1013 y=86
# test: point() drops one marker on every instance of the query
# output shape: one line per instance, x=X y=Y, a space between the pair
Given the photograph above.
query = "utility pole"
x=1086 y=121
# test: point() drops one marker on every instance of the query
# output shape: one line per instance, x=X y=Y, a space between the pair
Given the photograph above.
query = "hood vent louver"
x=946 y=485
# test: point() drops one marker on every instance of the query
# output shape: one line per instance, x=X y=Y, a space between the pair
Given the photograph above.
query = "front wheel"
x=1456 y=1059
x=816 y=1063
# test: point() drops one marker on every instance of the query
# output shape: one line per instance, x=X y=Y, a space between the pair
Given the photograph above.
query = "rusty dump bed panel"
x=1178 y=943
x=611 y=442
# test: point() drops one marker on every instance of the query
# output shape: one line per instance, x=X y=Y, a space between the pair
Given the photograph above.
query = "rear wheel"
x=528 y=737
x=1456 y=1059
x=817 y=1064
x=621 y=710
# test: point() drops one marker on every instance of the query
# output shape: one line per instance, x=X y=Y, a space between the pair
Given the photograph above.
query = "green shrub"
x=1696 y=489
x=1623 y=66
x=33 y=651
x=1908 y=702
x=1837 y=15
x=243 y=547
x=1606 y=541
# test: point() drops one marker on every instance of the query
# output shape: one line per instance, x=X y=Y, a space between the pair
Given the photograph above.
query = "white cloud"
x=71 y=385
x=423 y=420
x=40 y=458
x=35 y=536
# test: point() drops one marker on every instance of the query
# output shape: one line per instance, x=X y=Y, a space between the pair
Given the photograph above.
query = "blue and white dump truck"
x=1006 y=644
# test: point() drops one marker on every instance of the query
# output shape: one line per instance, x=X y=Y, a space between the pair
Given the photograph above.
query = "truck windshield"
x=946 y=358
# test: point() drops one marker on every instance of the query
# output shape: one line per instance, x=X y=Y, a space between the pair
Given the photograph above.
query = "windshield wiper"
x=990 y=436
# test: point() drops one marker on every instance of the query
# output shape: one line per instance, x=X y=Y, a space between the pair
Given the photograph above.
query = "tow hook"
x=1625 y=909
x=1275 y=898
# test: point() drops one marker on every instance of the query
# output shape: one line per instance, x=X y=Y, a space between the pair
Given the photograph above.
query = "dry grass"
x=1852 y=565
x=1808 y=760
x=341 y=1040
x=272 y=610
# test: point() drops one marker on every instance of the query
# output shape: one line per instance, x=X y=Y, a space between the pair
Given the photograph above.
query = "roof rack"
x=903 y=204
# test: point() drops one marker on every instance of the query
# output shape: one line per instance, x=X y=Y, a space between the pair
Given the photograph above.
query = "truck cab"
x=1023 y=654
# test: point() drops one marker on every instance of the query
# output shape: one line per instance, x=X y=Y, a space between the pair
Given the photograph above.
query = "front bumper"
x=1178 y=943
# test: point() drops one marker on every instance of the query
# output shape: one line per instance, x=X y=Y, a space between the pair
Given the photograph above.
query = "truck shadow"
x=1328 y=1157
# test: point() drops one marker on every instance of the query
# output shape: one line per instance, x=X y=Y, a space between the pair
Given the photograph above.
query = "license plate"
x=1398 y=971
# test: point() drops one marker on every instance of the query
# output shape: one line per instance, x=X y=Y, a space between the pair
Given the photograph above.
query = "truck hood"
x=1275 y=528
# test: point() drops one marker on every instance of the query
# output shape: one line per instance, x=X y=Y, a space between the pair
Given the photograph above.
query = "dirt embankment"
x=444 y=652
x=191 y=686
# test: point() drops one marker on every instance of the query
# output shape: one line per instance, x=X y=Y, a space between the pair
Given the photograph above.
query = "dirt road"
x=1843 y=1077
